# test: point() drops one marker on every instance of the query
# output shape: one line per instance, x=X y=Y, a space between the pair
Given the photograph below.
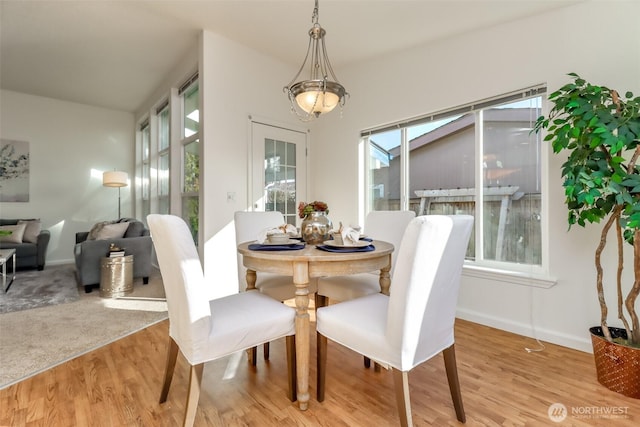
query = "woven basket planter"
x=617 y=366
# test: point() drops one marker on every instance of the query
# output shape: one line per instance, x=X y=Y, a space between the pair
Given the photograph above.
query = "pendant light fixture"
x=322 y=92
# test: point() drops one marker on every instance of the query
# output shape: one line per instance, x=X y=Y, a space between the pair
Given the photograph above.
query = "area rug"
x=33 y=288
x=32 y=341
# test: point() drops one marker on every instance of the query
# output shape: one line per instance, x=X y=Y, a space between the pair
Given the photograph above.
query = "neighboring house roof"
x=465 y=121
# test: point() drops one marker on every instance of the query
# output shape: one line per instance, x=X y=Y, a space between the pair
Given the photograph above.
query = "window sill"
x=516 y=278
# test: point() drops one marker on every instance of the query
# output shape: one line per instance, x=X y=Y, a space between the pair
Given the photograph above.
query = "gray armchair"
x=88 y=253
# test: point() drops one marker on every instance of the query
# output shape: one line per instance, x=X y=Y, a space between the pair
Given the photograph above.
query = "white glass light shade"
x=317 y=102
x=115 y=179
x=317 y=96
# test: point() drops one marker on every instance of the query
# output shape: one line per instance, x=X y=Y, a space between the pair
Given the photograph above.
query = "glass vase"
x=316 y=228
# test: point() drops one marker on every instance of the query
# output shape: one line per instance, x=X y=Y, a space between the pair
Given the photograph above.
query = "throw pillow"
x=112 y=231
x=96 y=229
x=33 y=228
x=17 y=231
x=135 y=229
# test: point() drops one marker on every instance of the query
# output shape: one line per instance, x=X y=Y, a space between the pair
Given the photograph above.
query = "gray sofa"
x=30 y=253
x=88 y=253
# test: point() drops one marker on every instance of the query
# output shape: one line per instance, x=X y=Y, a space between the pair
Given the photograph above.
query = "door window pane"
x=280 y=178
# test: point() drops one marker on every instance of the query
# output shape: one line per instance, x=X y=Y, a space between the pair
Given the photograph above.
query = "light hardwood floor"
x=502 y=385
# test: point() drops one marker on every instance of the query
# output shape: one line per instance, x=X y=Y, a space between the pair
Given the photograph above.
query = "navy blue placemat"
x=347 y=250
x=259 y=247
x=364 y=239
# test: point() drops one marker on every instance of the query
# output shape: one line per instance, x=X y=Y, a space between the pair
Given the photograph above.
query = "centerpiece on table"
x=316 y=226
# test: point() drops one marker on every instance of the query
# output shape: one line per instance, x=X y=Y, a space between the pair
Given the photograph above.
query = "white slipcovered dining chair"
x=414 y=323
x=247 y=227
x=204 y=330
x=388 y=226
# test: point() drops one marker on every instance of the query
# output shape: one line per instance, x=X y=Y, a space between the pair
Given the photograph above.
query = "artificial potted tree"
x=600 y=131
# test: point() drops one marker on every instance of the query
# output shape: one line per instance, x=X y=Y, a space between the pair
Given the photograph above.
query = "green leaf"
x=617 y=159
x=575 y=132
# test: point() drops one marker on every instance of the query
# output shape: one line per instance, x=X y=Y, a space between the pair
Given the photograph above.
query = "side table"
x=116 y=276
x=5 y=255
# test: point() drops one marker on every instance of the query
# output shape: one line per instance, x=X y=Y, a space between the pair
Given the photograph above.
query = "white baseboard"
x=571 y=341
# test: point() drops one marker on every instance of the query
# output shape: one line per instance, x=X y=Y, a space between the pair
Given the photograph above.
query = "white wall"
x=236 y=82
x=70 y=146
x=455 y=71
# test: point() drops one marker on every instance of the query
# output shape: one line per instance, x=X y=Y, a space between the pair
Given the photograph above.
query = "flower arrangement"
x=305 y=209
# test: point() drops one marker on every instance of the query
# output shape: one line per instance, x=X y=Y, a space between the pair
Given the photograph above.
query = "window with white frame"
x=191 y=154
x=480 y=159
x=146 y=170
x=164 y=163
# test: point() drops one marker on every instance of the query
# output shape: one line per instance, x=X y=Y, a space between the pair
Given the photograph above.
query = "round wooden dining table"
x=303 y=265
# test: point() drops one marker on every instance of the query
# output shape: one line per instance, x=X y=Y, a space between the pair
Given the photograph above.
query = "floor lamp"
x=115 y=179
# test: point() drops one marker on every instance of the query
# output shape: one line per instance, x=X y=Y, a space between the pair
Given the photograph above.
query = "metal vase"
x=316 y=228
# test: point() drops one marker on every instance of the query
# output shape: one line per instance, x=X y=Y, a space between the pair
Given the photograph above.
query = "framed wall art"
x=14 y=171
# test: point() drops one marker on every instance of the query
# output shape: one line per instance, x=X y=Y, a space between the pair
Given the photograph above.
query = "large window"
x=478 y=159
x=146 y=170
x=191 y=155
x=163 y=158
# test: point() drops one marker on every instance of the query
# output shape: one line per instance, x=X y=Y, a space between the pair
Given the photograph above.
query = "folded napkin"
x=350 y=235
x=284 y=228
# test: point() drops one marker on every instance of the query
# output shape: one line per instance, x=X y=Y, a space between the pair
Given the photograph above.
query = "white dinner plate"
x=289 y=242
x=358 y=244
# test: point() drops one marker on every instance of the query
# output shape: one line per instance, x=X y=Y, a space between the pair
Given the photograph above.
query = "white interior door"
x=278 y=169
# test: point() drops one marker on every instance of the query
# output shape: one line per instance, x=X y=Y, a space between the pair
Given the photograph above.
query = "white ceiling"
x=114 y=54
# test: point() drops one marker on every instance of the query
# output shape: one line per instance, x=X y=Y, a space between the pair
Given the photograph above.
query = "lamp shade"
x=115 y=179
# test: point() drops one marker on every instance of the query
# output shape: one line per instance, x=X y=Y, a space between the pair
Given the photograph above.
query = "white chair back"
x=248 y=225
x=388 y=226
x=184 y=285
x=424 y=287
